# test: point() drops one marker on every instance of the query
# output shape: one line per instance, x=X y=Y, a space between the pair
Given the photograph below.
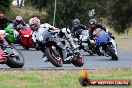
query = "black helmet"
x=18 y=19
x=92 y=21
x=76 y=22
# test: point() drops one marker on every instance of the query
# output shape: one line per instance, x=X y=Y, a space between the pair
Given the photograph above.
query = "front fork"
x=105 y=52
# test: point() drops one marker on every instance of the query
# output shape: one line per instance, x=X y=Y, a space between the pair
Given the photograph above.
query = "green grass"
x=59 y=78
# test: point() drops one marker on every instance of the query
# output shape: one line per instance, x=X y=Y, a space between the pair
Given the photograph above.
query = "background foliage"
x=120 y=12
x=5 y=6
x=117 y=12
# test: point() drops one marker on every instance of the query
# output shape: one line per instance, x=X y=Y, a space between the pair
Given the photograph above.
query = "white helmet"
x=35 y=21
x=18 y=18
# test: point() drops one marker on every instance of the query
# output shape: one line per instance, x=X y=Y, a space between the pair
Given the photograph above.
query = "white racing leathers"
x=38 y=35
x=68 y=36
x=44 y=31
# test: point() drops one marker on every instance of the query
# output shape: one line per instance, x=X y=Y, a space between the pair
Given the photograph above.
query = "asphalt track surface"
x=33 y=60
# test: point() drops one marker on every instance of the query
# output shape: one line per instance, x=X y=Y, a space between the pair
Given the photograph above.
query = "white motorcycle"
x=84 y=42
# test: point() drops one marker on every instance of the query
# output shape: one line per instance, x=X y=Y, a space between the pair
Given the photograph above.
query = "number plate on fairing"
x=26 y=35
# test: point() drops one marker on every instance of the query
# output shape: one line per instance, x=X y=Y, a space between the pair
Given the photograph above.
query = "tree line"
x=118 y=12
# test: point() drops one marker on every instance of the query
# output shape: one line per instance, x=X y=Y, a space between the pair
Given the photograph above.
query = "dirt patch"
x=124 y=43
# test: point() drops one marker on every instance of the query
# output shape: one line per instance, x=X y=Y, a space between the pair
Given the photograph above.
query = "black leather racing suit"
x=4 y=22
x=76 y=31
x=16 y=23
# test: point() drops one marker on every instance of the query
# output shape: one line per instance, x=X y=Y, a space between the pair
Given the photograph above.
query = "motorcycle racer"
x=40 y=29
x=77 y=28
x=19 y=22
x=4 y=21
x=93 y=25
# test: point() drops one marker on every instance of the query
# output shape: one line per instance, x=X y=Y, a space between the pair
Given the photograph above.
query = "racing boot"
x=45 y=59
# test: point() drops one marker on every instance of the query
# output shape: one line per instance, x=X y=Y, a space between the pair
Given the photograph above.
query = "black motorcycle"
x=50 y=45
x=11 y=56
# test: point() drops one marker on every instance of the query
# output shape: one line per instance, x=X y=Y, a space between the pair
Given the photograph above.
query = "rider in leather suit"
x=77 y=28
x=4 y=21
x=40 y=29
x=93 y=25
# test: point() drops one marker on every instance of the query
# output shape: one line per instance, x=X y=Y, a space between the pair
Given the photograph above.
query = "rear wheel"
x=54 y=55
x=111 y=52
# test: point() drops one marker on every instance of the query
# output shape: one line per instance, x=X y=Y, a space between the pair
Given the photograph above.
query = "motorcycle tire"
x=78 y=61
x=112 y=53
x=99 y=53
x=15 y=62
x=26 y=48
x=91 y=53
x=52 y=57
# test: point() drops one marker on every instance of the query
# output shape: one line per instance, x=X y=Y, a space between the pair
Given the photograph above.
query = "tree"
x=67 y=10
x=120 y=14
x=5 y=6
x=38 y=4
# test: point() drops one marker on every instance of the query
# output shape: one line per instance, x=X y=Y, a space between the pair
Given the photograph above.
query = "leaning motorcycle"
x=103 y=44
x=11 y=57
x=25 y=36
x=50 y=45
x=10 y=33
x=84 y=42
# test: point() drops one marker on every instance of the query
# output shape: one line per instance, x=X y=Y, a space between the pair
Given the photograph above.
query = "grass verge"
x=59 y=78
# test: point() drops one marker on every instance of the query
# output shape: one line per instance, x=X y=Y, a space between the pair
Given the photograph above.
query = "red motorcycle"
x=2 y=56
x=26 y=37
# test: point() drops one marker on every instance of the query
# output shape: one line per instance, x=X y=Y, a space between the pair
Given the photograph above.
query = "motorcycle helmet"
x=18 y=19
x=76 y=22
x=2 y=16
x=92 y=21
x=34 y=23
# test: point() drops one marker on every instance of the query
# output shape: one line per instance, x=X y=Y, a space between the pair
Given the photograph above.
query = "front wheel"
x=111 y=52
x=54 y=55
x=26 y=48
x=78 y=61
x=16 y=61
